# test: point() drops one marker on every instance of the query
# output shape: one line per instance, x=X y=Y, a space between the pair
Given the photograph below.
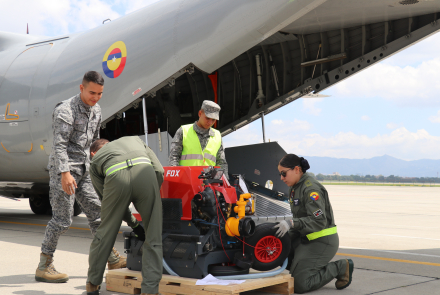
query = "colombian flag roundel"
x=114 y=59
x=314 y=196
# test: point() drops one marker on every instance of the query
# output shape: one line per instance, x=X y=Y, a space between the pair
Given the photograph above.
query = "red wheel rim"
x=268 y=249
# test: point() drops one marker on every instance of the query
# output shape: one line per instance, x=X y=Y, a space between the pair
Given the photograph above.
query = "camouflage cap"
x=211 y=109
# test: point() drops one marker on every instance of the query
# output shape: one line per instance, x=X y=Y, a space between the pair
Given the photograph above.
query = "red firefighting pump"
x=208 y=227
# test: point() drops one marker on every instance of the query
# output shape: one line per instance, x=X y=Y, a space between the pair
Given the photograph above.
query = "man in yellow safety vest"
x=199 y=144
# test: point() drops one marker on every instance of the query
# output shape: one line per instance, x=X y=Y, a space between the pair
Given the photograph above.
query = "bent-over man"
x=123 y=171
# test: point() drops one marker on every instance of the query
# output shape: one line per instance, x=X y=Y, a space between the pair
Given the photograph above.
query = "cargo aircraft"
x=160 y=62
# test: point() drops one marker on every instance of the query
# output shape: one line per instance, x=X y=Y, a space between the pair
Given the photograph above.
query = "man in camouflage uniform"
x=206 y=135
x=76 y=124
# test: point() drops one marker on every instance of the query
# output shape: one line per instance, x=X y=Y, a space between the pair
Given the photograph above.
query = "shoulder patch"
x=308 y=183
x=317 y=213
x=314 y=196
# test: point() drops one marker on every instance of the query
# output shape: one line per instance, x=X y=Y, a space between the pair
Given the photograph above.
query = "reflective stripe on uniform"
x=322 y=233
x=210 y=157
x=126 y=164
x=191 y=157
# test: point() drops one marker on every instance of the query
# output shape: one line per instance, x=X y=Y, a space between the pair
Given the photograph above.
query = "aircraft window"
x=352 y=69
x=337 y=77
x=317 y=86
x=381 y=55
x=359 y=66
x=368 y=61
x=374 y=58
x=347 y=72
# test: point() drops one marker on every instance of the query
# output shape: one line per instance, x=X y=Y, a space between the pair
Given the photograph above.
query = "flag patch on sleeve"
x=317 y=213
x=314 y=196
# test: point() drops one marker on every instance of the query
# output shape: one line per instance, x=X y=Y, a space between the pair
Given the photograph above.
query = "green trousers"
x=137 y=184
x=310 y=266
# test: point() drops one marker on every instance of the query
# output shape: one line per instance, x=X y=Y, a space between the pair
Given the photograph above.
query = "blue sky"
x=390 y=108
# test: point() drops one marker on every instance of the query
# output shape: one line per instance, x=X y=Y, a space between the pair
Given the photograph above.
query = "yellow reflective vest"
x=192 y=154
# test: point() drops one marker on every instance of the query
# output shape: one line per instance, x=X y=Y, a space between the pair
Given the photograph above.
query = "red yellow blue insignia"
x=114 y=59
x=314 y=196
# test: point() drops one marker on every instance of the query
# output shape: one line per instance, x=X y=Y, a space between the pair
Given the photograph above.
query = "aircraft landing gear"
x=40 y=205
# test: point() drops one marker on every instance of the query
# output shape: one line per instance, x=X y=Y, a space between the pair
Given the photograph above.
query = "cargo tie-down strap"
x=198 y=157
x=126 y=164
x=322 y=233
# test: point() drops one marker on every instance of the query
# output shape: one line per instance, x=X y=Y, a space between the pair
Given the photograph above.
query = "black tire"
x=263 y=232
x=218 y=270
x=40 y=204
x=76 y=209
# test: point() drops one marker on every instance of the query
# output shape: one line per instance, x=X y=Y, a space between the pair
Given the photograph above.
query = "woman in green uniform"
x=312 y=229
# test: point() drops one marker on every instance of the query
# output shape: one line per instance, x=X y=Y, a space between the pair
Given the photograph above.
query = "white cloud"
x=365 y=118
x=435 y=119
x=295 y=137
x=52 y=18
x=416 y=54
x=400 y=143
x=243 y=136
x=275 y=130
x=285 y=127
x=309 y=105
x=392 y=125
x=408 y=86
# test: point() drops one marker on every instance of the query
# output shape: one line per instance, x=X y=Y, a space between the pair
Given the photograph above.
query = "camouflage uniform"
x=75 y=127
x=203 y=135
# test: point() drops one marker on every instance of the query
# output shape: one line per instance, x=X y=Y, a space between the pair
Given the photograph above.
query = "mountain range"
x=384 y=165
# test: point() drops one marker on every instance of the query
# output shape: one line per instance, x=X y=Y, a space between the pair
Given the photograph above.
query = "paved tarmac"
x=391 y=233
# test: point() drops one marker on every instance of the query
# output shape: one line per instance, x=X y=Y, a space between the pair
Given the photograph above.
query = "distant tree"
x=320 y=177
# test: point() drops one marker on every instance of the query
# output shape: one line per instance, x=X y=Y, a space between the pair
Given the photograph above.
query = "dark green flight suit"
x=119 y=181
x=314 y=238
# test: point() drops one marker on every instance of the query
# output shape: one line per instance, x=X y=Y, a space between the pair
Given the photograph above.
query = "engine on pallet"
x=207 y=228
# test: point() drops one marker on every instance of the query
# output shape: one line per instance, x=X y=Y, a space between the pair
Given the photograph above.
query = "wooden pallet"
x=129 y=282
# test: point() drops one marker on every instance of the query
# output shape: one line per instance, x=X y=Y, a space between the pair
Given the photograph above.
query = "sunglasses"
x=284 y=173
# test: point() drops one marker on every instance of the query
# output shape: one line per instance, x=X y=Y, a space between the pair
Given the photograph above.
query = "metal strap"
x=191 y=157
x=322 y=233
x=126 y=164
x=210 y=157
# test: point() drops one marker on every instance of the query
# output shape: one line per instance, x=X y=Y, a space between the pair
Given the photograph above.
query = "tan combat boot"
x=345 y=280
x=46 y=272
x=121 y=263
x=92 y=289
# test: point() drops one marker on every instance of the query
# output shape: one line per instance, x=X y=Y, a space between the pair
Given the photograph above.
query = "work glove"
x=283 y=227
x=139 y=231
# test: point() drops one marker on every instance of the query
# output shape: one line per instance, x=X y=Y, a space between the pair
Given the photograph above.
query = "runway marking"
x=405 y=237
x=390 y=251
x=388 y=259
x=23 y=223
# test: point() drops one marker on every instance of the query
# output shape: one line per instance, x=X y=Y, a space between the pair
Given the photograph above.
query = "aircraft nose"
x=222 y=30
